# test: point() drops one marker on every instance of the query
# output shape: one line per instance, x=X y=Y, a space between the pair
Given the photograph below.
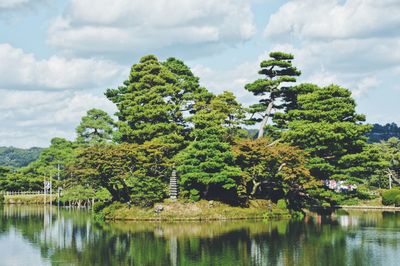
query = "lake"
x=49 y=236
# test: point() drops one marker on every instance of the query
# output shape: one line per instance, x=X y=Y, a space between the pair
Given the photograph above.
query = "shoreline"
x=170 y=211
x=202 y=219
x=195 y=211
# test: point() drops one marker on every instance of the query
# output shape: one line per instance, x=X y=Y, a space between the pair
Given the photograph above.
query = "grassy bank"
x=202 y=210
x=29 y=199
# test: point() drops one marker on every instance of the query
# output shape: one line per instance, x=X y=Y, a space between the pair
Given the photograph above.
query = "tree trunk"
x=265 y=119
x=393 y=176
x=206 y=191
x=255 y=187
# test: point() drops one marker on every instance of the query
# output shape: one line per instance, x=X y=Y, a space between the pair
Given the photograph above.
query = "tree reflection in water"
x=69 y=237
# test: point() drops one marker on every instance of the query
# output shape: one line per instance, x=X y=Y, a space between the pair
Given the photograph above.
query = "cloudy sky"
x=57 y=57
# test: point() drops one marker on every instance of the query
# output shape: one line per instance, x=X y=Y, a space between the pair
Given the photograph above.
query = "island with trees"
x=298 y=146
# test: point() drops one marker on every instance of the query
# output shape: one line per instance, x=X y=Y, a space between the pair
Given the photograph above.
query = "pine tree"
x=154 y=102
x=277 y=71
x=207 y=165
x=96 y=127
x=325 y=124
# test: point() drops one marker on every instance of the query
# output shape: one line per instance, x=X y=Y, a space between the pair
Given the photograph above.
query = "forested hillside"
x=383 y=132
x=16 y=157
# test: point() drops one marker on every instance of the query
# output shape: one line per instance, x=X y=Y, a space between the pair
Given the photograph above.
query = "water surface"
x=51 y=236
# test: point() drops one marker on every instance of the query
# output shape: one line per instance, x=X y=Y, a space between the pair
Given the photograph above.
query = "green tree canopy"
x=128 y=171
x=369 y=166
x=390 y=151
x=207 y=164
x=153 y=101
x=274 y=171
x=61 y=152
x=96 y=127
x=324 y=122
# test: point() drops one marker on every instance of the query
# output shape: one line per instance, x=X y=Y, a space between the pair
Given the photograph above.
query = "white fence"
x=7 y=193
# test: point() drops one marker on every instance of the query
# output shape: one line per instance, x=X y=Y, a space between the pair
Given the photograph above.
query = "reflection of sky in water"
x=16 y=251
x=379 y=246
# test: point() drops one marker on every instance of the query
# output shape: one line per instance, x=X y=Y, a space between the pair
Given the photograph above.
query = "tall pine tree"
x=324 y=122
x=277 y=71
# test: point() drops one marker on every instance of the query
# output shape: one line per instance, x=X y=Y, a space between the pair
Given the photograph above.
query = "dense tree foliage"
x=390 y=152
x=51 y=163
x=153 y=101
x=60 y=154
x=276 y=171
x=96 y=127
x=368 y=167
x=325 y=124
x=21 y=181
x=207 y=164
x=135 y=172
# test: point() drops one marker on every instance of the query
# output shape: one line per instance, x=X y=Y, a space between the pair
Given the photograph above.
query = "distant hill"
x=383 y=132
x=378 y=133
x=16 y=157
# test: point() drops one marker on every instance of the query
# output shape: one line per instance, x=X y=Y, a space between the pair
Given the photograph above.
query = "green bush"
x=1 y=198
x=194 y=195
x=297 y=215
x=98 y=206
x=397 y=201
x=109 y=211
x=146 y=190
x=281 y=204
x=350 y=201
x=364 y=193
x=389 y=196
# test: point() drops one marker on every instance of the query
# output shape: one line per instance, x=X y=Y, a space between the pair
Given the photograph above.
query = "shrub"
x=194 y=195
x=397 y=201
x=281 y=204
x=297 y=215
x=389 y=196
x=364 y=193
x=350 y=201
x=98 y=206
x=109 y=211
x=326 y=204
x=146 y=190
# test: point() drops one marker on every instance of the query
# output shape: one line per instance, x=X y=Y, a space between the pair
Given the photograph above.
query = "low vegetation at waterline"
x=391 y=197
x=29 y=199
x=195 y=211
x=167 y=121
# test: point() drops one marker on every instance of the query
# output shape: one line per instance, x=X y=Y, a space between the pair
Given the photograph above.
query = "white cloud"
x=32 y=118
x=5 y=4
x=12 y=7
x=365 y=85
x=330 y=19
x=45 y=98
x=229 y=80
x=353 y=43
x=20 y=70
x=121 y=27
